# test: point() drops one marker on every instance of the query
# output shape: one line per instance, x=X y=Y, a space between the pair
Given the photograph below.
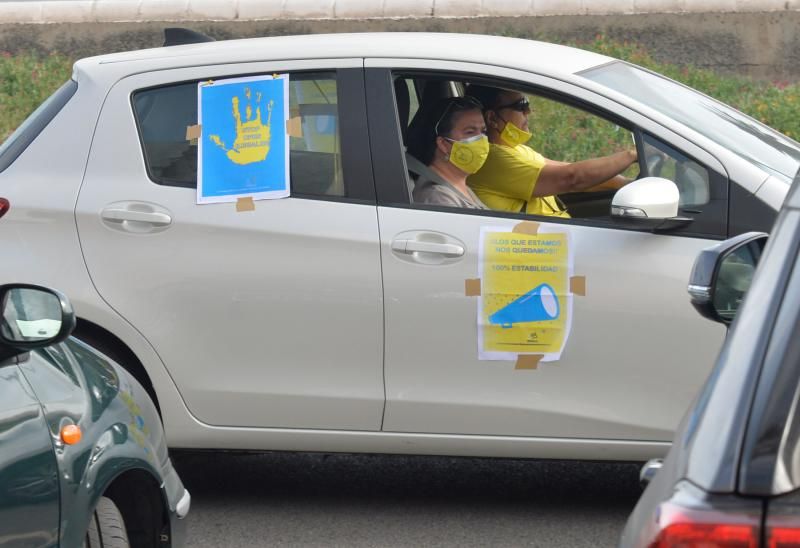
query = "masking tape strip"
x=528 y=361
x=245 y=204
x=472 y=288
x=193 y=132
x=294 y=127
x=577 y=285
x=527 y=227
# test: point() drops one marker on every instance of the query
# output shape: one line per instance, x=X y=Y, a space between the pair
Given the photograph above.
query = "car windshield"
x=746 y=137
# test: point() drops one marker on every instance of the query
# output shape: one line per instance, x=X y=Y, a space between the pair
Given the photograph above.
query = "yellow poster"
x=525 y=305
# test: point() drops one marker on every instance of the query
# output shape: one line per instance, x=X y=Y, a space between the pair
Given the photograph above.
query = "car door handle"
x=121 y=214
x=413 y=246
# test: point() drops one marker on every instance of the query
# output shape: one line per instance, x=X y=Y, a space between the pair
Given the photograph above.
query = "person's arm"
x=561 y=177
x=615 y=183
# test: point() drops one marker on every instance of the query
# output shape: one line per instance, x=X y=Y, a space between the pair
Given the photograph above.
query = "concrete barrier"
x=112 y=11
x=752 y=37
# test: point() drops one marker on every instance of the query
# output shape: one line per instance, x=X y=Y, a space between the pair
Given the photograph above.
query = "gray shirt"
x=432 y=189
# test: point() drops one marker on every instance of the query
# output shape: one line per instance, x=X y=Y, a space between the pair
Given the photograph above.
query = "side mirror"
x=722 y=275
x=651 y=203
x=32 y=317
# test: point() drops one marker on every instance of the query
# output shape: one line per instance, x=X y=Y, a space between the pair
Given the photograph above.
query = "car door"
x=635 y=352
x=270 y=317
x=29 y=491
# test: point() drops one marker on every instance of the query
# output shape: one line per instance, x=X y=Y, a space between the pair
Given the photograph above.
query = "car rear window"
x=34 y=124
x=164 y=113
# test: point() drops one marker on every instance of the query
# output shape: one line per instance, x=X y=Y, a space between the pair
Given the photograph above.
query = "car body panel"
x=29 y=478
x=121 y=430
x=443 y=387
x=468 y=47
x=772 y=192
x=322 y=297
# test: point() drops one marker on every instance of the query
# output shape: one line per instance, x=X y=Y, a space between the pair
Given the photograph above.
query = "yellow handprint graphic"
x=252 y=137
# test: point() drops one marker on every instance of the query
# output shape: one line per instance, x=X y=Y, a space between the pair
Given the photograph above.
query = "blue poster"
x=243 y=149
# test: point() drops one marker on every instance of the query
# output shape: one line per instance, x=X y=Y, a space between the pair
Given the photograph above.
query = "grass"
x=777 y=104
x=28 y=79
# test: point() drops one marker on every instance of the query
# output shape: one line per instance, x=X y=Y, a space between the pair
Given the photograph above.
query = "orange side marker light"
x=71 y=434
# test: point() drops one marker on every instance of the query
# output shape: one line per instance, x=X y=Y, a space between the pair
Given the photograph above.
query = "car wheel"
x=106 y=527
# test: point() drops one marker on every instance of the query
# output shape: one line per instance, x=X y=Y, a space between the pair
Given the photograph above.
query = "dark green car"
x=83 y=459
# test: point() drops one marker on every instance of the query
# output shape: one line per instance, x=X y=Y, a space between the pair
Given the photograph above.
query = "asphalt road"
x=352 y=501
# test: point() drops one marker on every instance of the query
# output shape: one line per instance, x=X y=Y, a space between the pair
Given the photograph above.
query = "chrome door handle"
x=151 y=217
x=413 y=246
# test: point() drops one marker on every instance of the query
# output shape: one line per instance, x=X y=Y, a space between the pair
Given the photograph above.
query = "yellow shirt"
x=507 y=179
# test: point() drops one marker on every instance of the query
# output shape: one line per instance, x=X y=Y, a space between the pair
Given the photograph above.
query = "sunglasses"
x=457 y=104
x=521 y=105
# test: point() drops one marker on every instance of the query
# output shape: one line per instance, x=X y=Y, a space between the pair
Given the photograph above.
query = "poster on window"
x=243 y=149
x=525 y=306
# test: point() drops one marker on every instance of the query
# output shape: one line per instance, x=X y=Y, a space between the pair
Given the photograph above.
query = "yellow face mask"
x=470 y=154
x=513 y=136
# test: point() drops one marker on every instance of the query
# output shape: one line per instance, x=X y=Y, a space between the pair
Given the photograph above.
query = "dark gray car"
x=83 y=459
x=732 y=476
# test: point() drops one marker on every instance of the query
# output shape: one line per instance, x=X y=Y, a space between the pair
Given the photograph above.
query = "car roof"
x=518 y=53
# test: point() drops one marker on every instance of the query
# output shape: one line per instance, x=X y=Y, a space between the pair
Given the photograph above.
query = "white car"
x=345 y=317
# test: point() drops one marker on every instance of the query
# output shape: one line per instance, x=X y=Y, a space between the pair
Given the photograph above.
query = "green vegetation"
x=561 y=132
x=776 y=104
x=28 y=79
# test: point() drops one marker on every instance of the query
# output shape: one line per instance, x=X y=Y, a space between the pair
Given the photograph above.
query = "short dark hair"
x=488 y=96
x=434 y=121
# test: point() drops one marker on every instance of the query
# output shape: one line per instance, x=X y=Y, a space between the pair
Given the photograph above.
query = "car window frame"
x=390 y=168
x=352 y=123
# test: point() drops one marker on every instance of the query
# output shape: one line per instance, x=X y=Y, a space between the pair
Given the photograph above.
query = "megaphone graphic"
x=537 y=305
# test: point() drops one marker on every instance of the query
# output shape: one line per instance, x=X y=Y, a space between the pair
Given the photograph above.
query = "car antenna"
x=176 y=36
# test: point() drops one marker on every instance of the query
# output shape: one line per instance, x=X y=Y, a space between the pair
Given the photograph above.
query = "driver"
x=517 y=178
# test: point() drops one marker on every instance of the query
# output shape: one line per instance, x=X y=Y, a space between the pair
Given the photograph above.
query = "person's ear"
x=443 y=145
x=493 y=121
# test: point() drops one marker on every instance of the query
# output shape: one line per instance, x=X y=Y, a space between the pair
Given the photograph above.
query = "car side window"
x=565 y=128
x=692 y=179
x=560 y=133
x=163 y=114
x=564 y=133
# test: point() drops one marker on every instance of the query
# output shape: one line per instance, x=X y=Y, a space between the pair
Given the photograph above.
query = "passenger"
x=451 y=141
x=517 y=178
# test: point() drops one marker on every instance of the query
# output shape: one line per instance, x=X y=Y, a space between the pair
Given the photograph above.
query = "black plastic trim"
x=176 y=36
x=354 y=134
x=386 y=142
x=748 y=213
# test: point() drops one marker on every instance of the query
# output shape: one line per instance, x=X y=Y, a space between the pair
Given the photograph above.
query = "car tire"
x=106 y=527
